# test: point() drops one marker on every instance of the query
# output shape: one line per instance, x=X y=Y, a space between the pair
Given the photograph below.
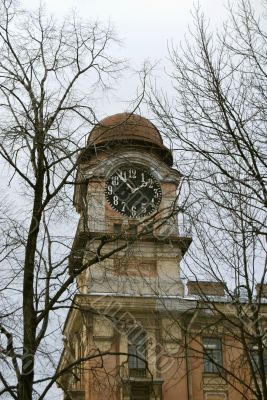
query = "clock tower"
x=119 y=334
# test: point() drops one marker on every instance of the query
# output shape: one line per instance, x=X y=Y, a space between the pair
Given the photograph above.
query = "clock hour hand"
x=144 y=184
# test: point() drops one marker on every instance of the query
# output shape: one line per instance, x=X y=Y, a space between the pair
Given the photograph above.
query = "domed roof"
x=125 y=126
x=128 y=128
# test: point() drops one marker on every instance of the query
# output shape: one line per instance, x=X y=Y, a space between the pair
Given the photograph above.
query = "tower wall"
x=136 y=271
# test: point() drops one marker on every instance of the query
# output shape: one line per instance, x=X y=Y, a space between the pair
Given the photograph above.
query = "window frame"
x=117 y=229
x=212 y=356
x=255 y=358
x=137 y=349
x=145 y=391
x=132 y=230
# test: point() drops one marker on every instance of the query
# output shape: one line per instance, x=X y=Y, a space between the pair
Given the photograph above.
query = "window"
x=212 y=349
x=255 y=356
x=132 y=230
x=140 y=392
x=137 y=352
x=117 y=229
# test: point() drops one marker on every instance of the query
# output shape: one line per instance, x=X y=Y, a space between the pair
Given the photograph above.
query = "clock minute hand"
x=127 y=184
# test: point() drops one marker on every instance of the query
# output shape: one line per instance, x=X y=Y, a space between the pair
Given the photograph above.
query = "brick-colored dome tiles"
x=125 y=126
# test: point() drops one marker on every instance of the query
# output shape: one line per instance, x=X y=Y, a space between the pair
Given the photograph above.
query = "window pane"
x=140 y=392
x=137 y=347
x=132 y=230
x=212 y=355
x=256 y=360
x=117 y=229
x=132 y=359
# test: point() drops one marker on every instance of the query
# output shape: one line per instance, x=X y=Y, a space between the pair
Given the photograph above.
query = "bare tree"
x=49 y=74
x=216 y=120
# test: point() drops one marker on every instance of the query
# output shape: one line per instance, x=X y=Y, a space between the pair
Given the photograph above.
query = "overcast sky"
x=145 y=27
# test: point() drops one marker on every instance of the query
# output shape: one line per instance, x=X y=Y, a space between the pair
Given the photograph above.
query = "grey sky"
x=144 y=26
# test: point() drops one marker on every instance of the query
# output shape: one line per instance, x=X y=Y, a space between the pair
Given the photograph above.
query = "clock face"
x=133 y=192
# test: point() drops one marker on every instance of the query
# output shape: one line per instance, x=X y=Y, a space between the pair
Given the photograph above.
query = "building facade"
x=134 y=331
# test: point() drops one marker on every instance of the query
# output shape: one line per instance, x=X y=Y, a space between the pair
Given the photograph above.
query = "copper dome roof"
x=128 y=128
x=123 y=127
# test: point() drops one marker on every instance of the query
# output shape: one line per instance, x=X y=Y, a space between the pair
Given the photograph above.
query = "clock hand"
x=125 y=181
x=144 y=184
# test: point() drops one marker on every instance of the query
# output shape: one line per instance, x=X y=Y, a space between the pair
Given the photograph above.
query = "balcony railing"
x=172 y=227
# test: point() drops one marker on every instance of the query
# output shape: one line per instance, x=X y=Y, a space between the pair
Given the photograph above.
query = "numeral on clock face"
x=115 y=200
x=150 y=183
x=143 y=208
x=122 y=175
x=134 y=212
x=133 y=191
x=132 y=173
x=115 y=180
x=123 y=206
x=143 y=177
x=156 y=193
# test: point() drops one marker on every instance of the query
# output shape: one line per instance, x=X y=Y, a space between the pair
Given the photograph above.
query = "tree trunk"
x=25 y=386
